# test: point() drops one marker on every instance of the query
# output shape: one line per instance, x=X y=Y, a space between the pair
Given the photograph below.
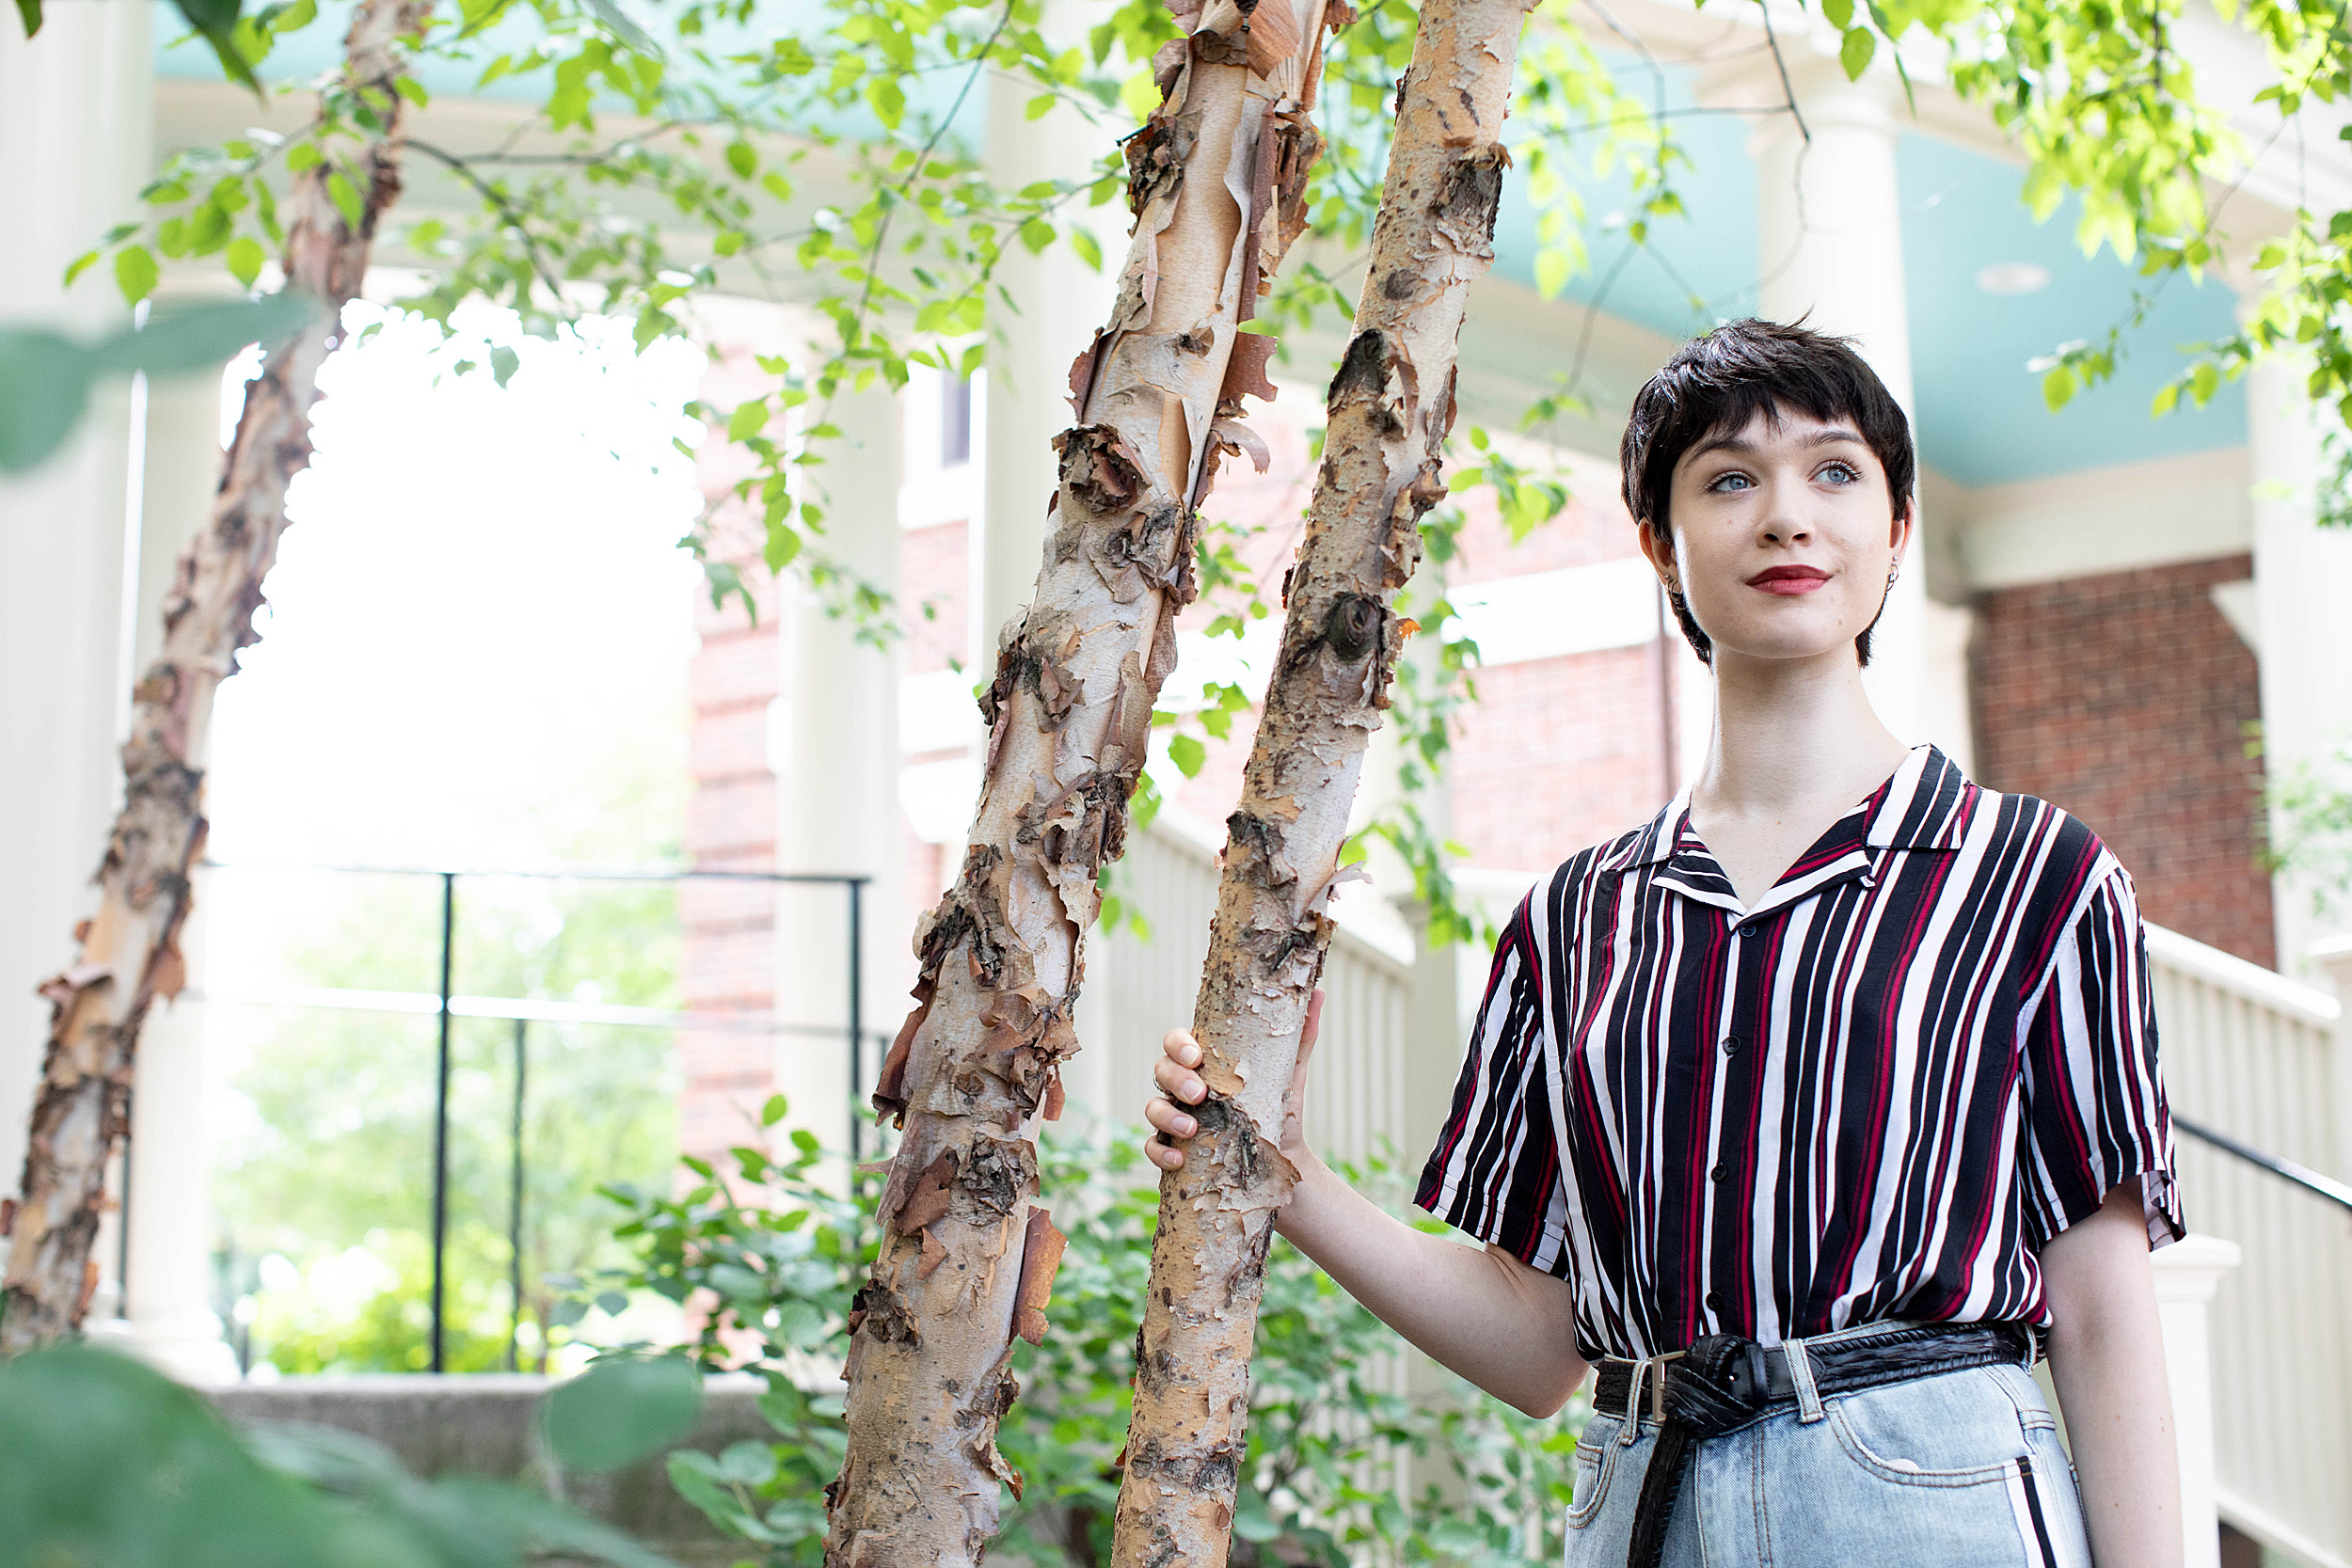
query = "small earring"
x=1892 y=572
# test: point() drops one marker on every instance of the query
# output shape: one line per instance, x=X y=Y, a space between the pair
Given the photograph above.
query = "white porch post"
x=1024 y=391
x=2302 y=583
x=1829 y=245
x=166 y=1300
x=76 y=113
x=2188 y=1273
x=836 y=760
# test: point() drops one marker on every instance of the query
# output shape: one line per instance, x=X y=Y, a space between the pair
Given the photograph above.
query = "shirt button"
x=1731 y=1045
x=1714 y=1301
x=1747 y=928
x=1716 y=1175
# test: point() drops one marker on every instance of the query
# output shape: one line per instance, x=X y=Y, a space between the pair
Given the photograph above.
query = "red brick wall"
x=2126 y=699
x=728 y=928
x=1557 y=754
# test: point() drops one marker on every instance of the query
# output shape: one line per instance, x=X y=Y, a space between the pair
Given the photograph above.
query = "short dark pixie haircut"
x=1718 y=382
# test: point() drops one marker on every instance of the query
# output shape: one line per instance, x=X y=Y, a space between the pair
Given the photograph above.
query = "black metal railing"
x=446 y=1007
x=2319 y=1185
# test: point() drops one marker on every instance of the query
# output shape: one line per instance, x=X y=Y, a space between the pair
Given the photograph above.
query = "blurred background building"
x=2136 y=618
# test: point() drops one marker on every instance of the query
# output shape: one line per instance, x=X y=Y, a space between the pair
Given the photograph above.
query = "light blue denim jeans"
x=1960 y=1468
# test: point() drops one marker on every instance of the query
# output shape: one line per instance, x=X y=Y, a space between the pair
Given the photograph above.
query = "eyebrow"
x=1829 y=436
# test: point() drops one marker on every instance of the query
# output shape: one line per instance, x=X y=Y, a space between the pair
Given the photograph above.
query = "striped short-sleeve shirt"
x=1926 y=1051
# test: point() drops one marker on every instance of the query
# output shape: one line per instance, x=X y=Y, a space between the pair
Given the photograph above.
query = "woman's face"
x=1782 y=538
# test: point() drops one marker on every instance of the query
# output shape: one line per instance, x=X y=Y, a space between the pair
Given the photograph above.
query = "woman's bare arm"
x=2107 y=1358
x=1509 y=1328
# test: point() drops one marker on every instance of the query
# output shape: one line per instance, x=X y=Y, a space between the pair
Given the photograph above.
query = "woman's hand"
x=1180 y=1086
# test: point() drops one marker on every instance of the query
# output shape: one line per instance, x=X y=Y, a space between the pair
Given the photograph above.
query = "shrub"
x=1343 y=1468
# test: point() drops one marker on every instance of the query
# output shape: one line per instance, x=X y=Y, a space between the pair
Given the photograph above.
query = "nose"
x=1783 y=520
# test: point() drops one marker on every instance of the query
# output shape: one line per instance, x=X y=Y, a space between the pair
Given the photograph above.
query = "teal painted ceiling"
x=1980 y=412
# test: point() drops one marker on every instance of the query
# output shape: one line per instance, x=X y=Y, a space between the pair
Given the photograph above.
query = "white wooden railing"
x=2263 y=1060
x=1356 y=1096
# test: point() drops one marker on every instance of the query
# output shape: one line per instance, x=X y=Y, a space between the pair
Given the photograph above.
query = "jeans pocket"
x=1917 y=1436
x=1590 y=1468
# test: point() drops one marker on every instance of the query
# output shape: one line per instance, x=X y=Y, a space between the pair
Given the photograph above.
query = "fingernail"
x=1186 y=1127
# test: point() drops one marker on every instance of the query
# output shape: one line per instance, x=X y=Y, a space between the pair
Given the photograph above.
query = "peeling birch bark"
x=1217 y=183
x=130 y=951
x=1390 y=406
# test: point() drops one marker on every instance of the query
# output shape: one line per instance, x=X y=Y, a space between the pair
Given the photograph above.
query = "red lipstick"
x=1789 y=581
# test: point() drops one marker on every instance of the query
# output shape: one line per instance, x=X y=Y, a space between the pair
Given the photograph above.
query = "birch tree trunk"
x=1216 y=181
x=1390 y=406
x=130 y=950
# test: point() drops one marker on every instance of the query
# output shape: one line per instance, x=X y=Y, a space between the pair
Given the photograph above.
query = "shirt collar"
x=1923 y=806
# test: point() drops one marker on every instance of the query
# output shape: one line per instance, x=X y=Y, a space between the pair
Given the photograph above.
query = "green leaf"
x=215 y=23
x=188 y=341
x=748 y=418
x=617 y=23
x=1090 y=250
x=44 y=381
x=346 y=199
x=1840 y=14
x=1855 y=53
x=28 y=13
x=783 y=544
x=412 y=89
x=1039 y=106
x=135 y=273
x=103 y=1455
x=2058 y=387
x=504 y=362
x=620 y=1410
x=775 y=1111
x=81 y=264
x=303 y=156
x=741 y=159
x=245 y=259
x=1187 y=753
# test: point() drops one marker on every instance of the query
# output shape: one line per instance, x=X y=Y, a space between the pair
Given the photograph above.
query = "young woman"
x=1810 y=1113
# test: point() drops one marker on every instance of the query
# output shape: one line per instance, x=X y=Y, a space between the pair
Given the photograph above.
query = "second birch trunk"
x=1390 y=406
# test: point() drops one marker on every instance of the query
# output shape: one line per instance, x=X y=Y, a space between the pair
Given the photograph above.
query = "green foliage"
x=105 y=1461
x=333 y=1172
x=1342 y=1462
x=2311 y=810
x=49 y=375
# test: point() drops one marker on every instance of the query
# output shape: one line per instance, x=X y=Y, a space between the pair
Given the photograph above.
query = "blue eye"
x=1847 y=472
x=1724 y=480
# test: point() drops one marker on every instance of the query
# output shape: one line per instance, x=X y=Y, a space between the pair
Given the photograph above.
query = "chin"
x=1785 y=648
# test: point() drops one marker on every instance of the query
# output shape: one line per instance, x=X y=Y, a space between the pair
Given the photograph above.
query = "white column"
x=1829 y=245
x=2302 y=584
x=2188 y=1273
x=76 y=115
x=1061 y=303
x=838 y=787
x=169 y=1298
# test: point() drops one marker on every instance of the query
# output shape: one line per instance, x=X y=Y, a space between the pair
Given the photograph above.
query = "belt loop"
x=1633 y=1405
x=1801 y=1374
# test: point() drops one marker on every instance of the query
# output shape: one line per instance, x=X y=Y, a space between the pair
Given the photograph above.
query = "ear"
x=1658 y=547
x=1904 y=523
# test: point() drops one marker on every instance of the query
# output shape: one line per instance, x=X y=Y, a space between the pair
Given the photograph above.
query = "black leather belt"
x=1723 y=1382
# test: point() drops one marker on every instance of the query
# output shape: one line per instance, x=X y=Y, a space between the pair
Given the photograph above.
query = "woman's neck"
x=1792 y=739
